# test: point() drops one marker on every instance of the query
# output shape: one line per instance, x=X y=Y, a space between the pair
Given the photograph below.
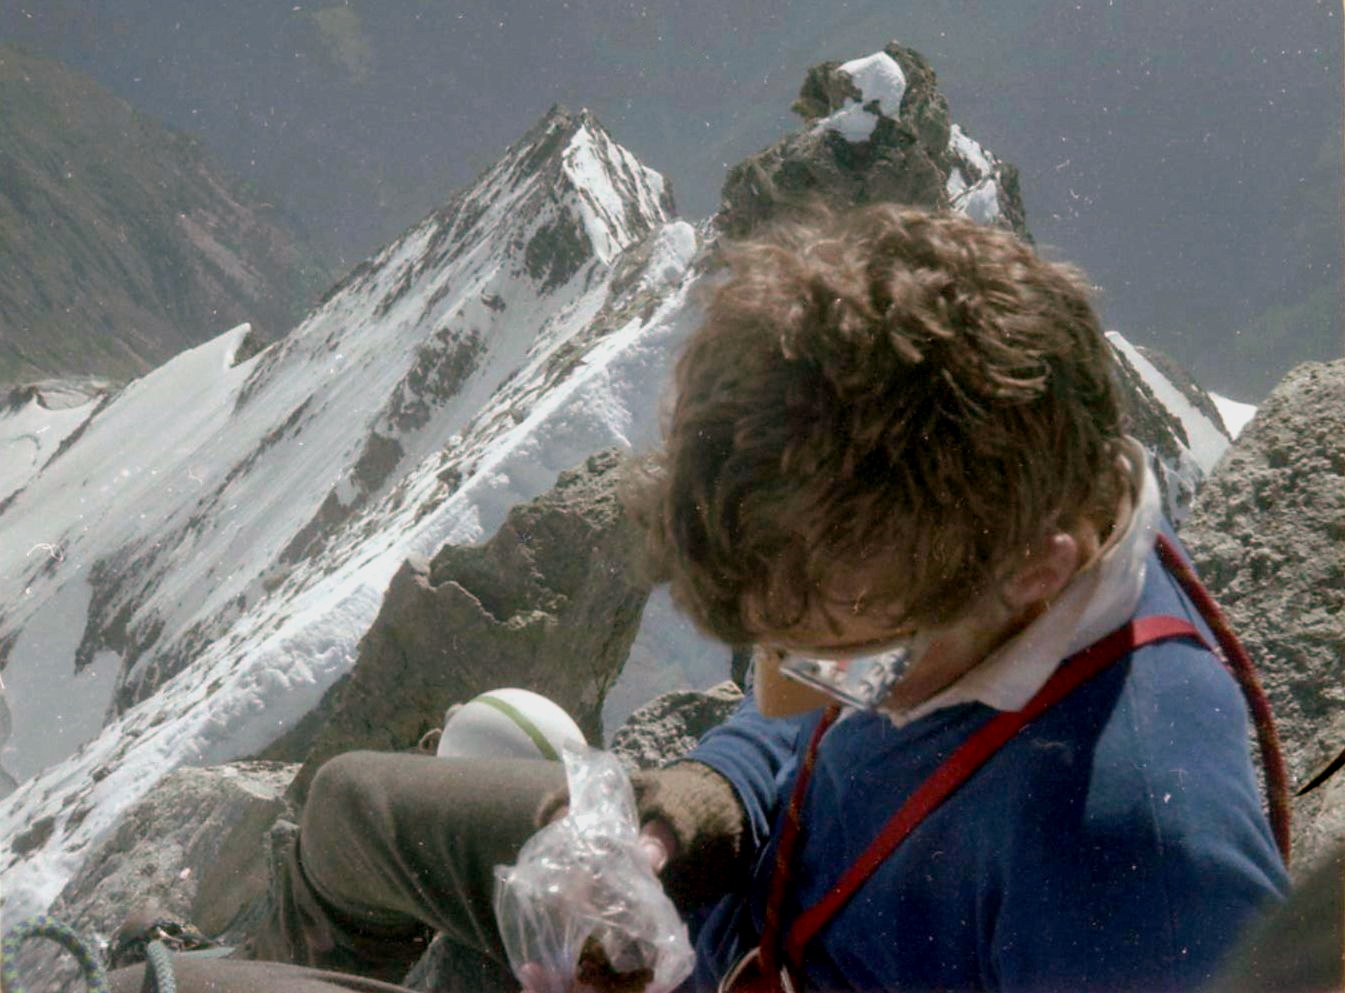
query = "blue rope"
x=158 y=965
x=50 y=928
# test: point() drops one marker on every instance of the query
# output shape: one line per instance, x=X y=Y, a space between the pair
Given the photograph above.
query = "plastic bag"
x=582 y=885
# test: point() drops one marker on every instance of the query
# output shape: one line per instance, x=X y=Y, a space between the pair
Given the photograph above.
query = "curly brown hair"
x=883 y=390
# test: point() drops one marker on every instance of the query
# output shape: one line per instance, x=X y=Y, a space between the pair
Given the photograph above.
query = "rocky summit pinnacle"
x=877 y=130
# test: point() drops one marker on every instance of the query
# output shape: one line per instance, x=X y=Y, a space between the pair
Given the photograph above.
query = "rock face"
x=195 y=848
x=1268 y=535
x=670 y=724
x=550 y=602
x=859 y=148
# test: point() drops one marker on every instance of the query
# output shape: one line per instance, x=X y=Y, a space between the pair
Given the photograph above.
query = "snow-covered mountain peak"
x=197 y=555
x=618 y=199
x=564 y=197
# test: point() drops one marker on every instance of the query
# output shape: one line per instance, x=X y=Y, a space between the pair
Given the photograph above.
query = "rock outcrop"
x=1267 y=533
x=550 y=602
x=670 y=724
x=861 y=148
x=195 y=849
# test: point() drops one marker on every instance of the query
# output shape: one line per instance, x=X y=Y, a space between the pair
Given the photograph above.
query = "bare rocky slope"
x=123 y=243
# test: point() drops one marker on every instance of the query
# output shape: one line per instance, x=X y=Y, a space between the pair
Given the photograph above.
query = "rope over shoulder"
x=1244 y=671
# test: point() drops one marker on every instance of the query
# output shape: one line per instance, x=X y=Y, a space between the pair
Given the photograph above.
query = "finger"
x=534 y=978
x=657 y=844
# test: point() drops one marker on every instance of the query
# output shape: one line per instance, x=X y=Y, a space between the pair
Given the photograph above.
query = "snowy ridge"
x=1181 y=423
x=973 y=179
x=1207 y=441
x=223 y=531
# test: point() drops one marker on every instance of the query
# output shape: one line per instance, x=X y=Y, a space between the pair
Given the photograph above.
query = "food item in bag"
x=582 y=909
x=597 y=972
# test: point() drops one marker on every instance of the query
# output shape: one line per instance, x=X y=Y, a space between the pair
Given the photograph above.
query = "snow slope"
x=1207 y=440
x=1178 y=420
x=1235 y=413
x=34 y=423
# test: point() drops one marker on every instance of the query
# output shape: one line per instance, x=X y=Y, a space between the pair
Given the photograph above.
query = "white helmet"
x=507 y=723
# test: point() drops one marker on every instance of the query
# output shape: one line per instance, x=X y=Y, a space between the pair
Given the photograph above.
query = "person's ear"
x=1049 y=565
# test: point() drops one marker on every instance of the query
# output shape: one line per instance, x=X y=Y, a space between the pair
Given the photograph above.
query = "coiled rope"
x=158 y=964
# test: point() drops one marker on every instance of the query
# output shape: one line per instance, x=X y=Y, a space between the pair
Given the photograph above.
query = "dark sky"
x=1188 y=155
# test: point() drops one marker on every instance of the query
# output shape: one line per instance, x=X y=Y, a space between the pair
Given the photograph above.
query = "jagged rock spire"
x=878 y=130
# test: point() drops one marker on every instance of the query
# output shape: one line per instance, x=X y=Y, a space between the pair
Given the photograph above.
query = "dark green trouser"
x=392 y=846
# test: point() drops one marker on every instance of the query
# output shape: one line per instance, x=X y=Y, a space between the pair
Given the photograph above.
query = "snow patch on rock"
x=880 y=82
x=972 y=187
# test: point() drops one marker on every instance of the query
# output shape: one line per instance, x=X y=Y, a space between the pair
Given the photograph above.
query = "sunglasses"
x=863 y=680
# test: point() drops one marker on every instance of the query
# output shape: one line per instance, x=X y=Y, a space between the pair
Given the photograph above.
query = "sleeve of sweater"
x=1167 y=854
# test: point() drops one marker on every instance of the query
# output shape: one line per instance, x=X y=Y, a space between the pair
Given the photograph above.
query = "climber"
x=894 y=450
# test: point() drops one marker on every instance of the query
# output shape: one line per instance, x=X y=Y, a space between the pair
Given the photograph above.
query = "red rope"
x=1237 y=659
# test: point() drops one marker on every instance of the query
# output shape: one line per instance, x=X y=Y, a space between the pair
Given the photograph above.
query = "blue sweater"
x=1117 y=843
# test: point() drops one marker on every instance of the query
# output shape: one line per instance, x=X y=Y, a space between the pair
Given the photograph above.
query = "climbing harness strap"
x=779 y=960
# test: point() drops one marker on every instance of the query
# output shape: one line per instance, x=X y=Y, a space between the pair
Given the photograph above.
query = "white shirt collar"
x=1100 y=598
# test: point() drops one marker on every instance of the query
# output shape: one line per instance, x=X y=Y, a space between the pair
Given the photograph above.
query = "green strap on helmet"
x=524 y=725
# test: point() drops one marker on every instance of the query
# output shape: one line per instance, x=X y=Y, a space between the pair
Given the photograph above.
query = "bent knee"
x=344 y=782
